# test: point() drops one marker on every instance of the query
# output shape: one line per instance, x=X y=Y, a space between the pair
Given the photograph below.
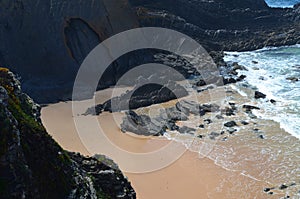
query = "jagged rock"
x=174 y=115
x=258 y=95
x=261 y=137
x=230 y=124
x=3 y=95
x=141 y=97
x=33 y=165
x=201 y=126
x=231 y=130
x=186 y=130
x=244 y=122
x=250 y=108
x=283 y=186
x=228 y=111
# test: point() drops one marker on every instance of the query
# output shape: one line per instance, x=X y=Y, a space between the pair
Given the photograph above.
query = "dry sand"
x=189 y=177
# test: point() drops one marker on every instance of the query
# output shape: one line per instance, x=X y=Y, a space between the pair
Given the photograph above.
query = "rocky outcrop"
x=46 y=41
x=48 y=52
x=224 y=25
x=33 y=165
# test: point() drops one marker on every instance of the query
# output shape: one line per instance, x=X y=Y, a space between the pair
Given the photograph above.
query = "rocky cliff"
x=224 y=25
x=46 y=41
x=33 y=165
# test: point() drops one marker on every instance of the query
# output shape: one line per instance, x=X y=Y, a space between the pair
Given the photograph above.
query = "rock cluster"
x=33 y=165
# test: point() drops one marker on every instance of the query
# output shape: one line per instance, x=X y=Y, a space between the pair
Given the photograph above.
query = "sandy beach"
x=191 y=176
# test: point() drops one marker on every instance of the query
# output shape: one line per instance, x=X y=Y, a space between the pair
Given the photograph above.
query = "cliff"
x=46 y=41
x=224 y=25
x=33 y=165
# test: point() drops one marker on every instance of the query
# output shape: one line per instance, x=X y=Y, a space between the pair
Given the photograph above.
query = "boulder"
x=230 y=124
x=258 y=95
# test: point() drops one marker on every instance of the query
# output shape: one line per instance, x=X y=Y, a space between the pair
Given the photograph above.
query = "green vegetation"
x=49 y=163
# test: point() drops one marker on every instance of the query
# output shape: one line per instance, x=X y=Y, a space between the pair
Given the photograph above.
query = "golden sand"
x=191 y=176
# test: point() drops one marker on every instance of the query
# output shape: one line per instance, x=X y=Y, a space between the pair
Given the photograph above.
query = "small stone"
x=201 y=126
x=231 y=130
x=258 y=95
x=230 y=124
x=273 y=101
x=244 y=123
x=250 y=107
x=200 y=136
x=255 y=62
x=261 y=137
x=225 y=138
x=293 y=79
x=267 y=189
x=283 y=186
x=219 y=117
x=208 y=121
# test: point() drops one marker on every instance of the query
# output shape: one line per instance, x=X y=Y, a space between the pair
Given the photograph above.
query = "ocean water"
x=282 y=3
x=268 y=70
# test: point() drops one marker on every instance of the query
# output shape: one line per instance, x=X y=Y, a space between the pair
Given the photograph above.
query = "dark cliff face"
x=33 y=165
x=224 y=25
x=46 y=41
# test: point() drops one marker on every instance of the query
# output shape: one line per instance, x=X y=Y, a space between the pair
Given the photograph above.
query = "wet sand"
x=190 y=176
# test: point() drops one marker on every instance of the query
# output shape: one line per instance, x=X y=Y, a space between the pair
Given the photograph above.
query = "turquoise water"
x=275 y=66
x=282 y=3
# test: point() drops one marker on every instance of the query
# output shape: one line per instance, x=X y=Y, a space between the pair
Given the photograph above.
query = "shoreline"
x=54 y=115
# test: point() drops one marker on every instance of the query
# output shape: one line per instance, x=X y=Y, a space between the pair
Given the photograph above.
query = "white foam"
x=275 y=65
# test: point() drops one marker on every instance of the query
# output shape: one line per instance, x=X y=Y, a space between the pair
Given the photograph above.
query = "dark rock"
x=186 y=130
x=249 y=108
x=293 y=79
x=255 y=62
x=144 y=96
x=231 y=130
x=228 y=111
x=174 y=115
x=219 y=117
x=273 y=101
x=259 y=95
x=267 y=189
x=201 y=126
x=200 y=136
x=283 y=186
x=210 y=107
x=261 y=137
x=33 y=165
x=244 y=123
x=241 y=77
x=201 y=82
x=188 y=107
x=237 y=66
x=230 y=124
